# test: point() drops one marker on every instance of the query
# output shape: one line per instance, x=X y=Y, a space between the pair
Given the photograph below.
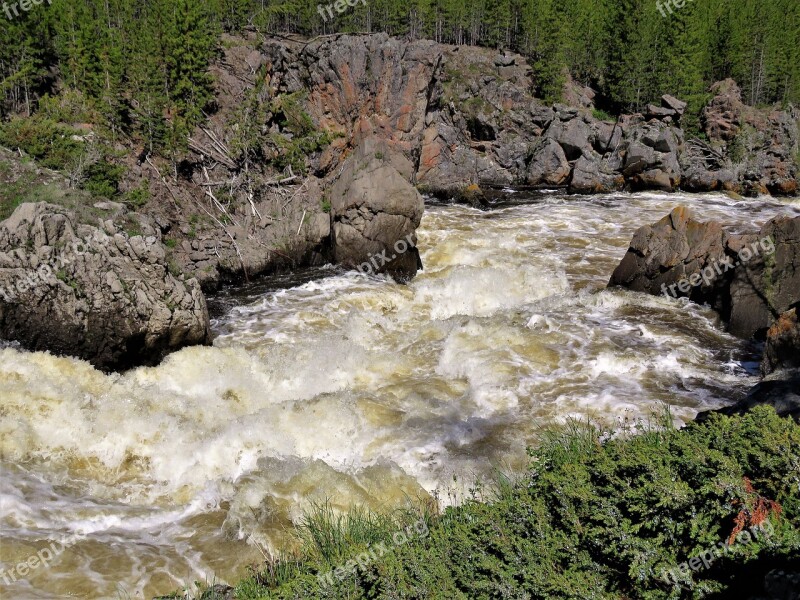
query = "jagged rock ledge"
x=93 y=292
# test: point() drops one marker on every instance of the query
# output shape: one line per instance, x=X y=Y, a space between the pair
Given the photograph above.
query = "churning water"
x=351 y=389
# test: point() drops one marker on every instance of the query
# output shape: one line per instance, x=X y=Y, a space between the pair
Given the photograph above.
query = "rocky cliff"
x=467 y=116
x=97 y=293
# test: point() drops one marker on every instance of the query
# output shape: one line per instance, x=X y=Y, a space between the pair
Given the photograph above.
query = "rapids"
x=332 y=385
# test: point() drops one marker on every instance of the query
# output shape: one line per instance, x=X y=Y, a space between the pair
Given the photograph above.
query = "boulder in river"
x=376 y=211
x=750 y=279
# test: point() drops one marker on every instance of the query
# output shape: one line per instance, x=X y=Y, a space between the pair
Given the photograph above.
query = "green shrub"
x=591 y=519
x=139 y=196
x=50 y=143
x=59 y=147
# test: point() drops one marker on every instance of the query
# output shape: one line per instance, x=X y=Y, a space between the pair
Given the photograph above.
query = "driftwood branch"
x=213 y=154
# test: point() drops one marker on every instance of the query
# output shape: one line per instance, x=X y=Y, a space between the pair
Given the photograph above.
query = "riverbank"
x=655 y=512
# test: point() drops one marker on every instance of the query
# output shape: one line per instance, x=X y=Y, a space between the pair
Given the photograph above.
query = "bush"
x=56 y=146
x=602 y=115
x=591 y=519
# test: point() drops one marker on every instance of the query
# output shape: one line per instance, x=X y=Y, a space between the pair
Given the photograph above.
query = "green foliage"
x=62 y=148
x=591 y=518
x=294 y=152
x=50 y=143
x=139 y=196
x=326 y=205
x=288 y=109
x=602 y=115
x=102 y=178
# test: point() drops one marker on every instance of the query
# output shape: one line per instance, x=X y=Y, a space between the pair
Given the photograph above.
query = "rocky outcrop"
x=750 y=279
x=766 y=281
x=757 y=146
x=466 y=116
x=376 y=212
x=780 y=390
x=678 y=257
x=97 y=293
x=649 y=155
x=782 y=348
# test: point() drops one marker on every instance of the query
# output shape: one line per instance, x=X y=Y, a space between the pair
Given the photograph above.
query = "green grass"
x=602 y=115
x=595 y=516
x=59 y=147
x=25 y=189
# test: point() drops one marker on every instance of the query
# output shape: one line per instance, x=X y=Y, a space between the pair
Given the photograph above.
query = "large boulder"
x=677 y=257
x=750 y=279
x=573 y=135
x=671 y=102
x=549 y=164
x=376 y=211
x=650 y=155
x=96 y=293
x=591 y=175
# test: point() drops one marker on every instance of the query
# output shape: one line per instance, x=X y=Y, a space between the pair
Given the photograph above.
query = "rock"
x=671 y=102
x=699 y=179
x=549 y=165
x=374 y=208
x=479 y=127
x=590 y=176
x=565 y=113
x=766 y=283
x=474 y=196
x=721 y=119
x=658 y=112
x=649 y=155
x=781 y=390
x=782 y=349
x=606 y=137
x=671 y=257
x=108 y=300
x=573 y=136
x=750 y=279
x=505 y=60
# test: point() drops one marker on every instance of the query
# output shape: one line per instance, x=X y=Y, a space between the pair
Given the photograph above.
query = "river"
x=331 y=385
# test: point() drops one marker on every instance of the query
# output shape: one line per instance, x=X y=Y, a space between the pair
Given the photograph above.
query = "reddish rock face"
x=782 y=349
x=466 y=115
